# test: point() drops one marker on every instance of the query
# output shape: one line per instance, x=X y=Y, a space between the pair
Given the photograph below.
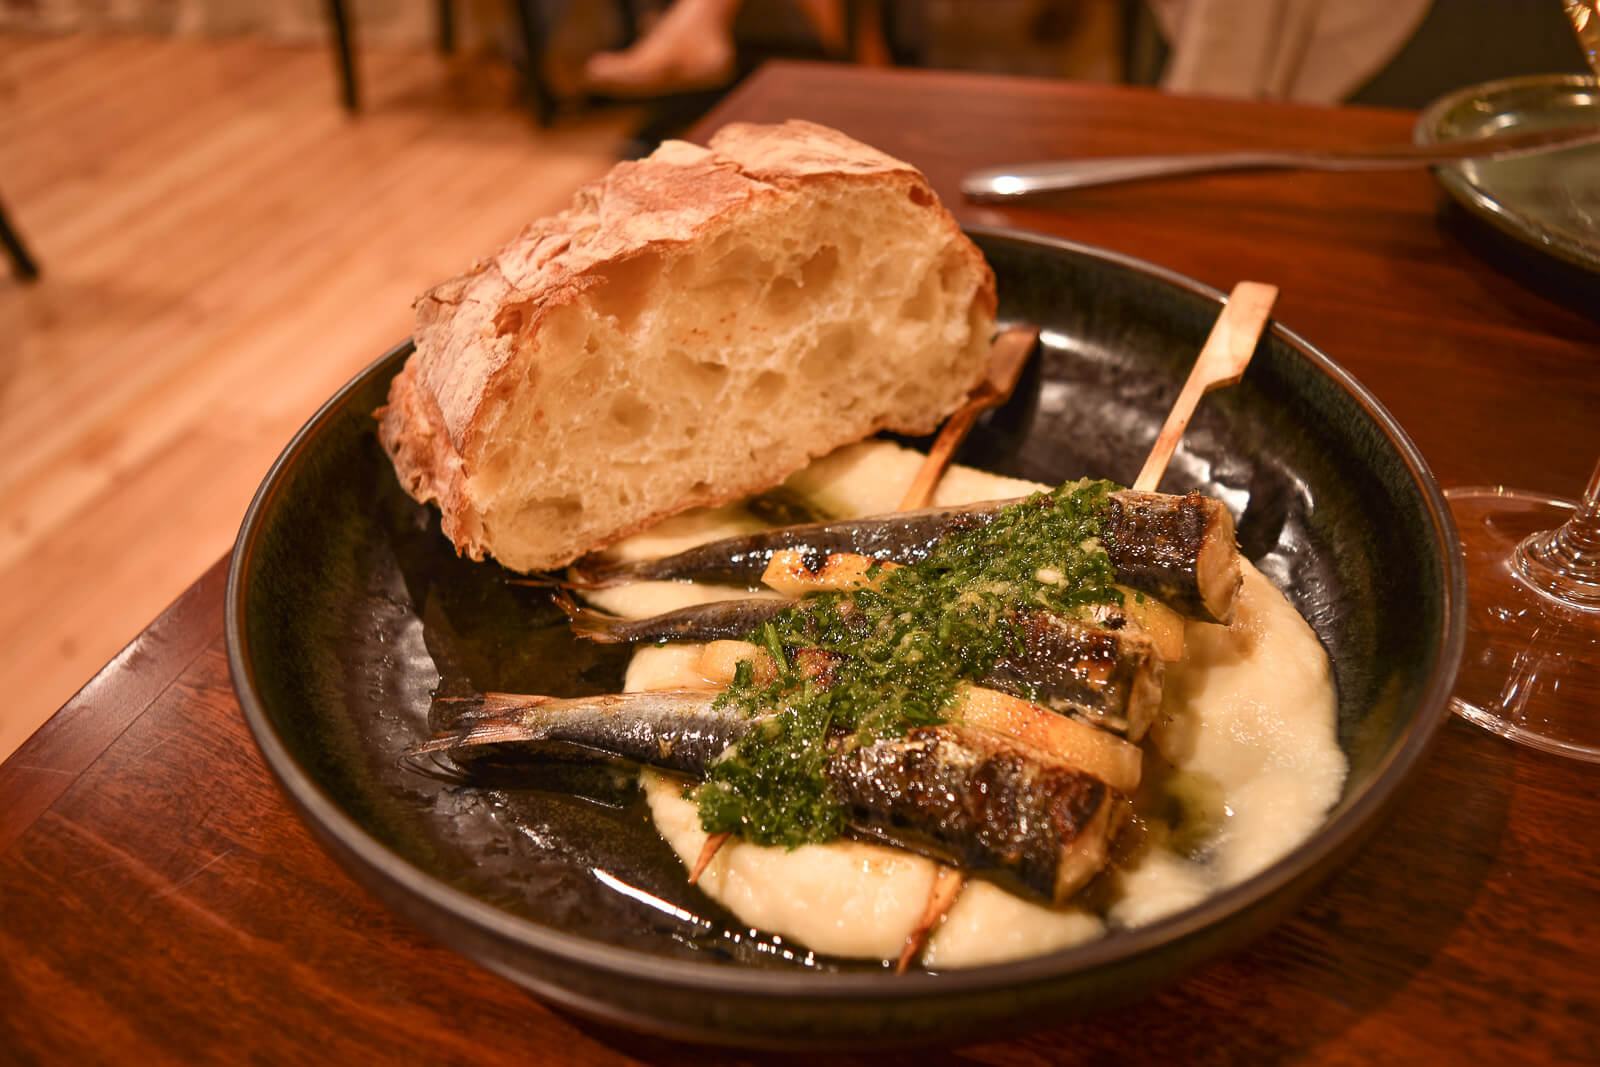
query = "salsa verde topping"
x=895 y=656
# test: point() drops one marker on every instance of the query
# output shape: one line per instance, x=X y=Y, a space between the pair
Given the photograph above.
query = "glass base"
x=1531 y=672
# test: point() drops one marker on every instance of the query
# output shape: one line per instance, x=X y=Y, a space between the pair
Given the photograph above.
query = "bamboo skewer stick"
x=1007 y=357
x=947 y=885
x=1222 y=361
x=708 y=852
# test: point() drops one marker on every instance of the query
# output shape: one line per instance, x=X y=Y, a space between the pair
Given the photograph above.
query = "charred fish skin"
x=989 y=804
x=1111 y=677
x=718 y=620
x=979 y=802
x=1178 y=549
x=681 y=730
x=900 y=537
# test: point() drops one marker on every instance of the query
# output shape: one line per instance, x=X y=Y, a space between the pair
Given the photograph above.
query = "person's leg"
x=689 y=47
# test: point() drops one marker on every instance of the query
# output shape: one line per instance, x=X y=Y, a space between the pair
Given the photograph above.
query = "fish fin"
x=593 y=574
x=434 y=765
x=587 y=622
x=484 y=719
x=487 y=732
x=464 y=711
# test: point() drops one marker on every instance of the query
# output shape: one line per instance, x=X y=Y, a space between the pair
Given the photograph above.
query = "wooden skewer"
x=947 y=885
x=1221 y=362
x=1007 y=356
x=708 y=852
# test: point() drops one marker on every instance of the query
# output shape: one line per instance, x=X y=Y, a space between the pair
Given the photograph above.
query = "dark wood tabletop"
x=159 y=901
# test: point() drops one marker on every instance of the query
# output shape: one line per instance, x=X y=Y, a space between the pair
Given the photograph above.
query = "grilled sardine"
x=1179 y=549
x=994 y=805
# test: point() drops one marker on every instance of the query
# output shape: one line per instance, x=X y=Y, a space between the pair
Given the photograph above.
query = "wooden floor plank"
x=188 y=381
x=146 y=123
x=171 y=258
x=223 y=248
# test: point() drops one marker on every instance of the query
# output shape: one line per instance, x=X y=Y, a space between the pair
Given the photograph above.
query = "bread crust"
x=469 y=330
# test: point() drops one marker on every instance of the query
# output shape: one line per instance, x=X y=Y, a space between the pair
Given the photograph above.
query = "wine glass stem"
x=1564 y=563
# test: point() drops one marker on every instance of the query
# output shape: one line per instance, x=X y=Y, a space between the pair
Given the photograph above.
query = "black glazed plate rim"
x=1340 y=831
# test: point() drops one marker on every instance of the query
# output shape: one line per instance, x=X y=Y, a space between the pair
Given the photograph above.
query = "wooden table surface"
x=158 y=900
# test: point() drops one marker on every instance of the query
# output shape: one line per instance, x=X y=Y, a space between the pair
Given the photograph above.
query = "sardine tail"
x=588 y=623
x=485 y=732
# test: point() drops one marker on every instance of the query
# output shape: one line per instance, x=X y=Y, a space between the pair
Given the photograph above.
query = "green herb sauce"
x=903 y=650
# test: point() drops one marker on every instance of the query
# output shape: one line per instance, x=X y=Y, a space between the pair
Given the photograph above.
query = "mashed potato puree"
x=1247 y=725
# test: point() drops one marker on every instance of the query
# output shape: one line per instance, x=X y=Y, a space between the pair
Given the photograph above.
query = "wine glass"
x=1532 y=667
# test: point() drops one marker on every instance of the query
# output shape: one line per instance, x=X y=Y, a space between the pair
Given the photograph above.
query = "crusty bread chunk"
x=695 y=327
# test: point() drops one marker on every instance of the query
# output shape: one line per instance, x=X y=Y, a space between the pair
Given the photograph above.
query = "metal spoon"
x=1028 y=179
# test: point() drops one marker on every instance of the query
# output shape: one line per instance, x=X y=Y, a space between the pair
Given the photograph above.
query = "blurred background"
x=220 y=210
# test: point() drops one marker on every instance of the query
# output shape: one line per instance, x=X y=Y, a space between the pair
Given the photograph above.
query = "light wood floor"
x=222 y=248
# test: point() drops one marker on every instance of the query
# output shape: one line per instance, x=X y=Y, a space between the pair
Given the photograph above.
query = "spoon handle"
x=1026 y=179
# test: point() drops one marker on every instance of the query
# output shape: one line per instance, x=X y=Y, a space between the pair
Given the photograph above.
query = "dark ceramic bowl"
x=348 y=611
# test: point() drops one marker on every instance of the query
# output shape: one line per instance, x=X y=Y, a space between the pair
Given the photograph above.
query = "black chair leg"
x=531 y=22
x=27 y=269
x=447 y=27
x=340 y=17
x=627 y=22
